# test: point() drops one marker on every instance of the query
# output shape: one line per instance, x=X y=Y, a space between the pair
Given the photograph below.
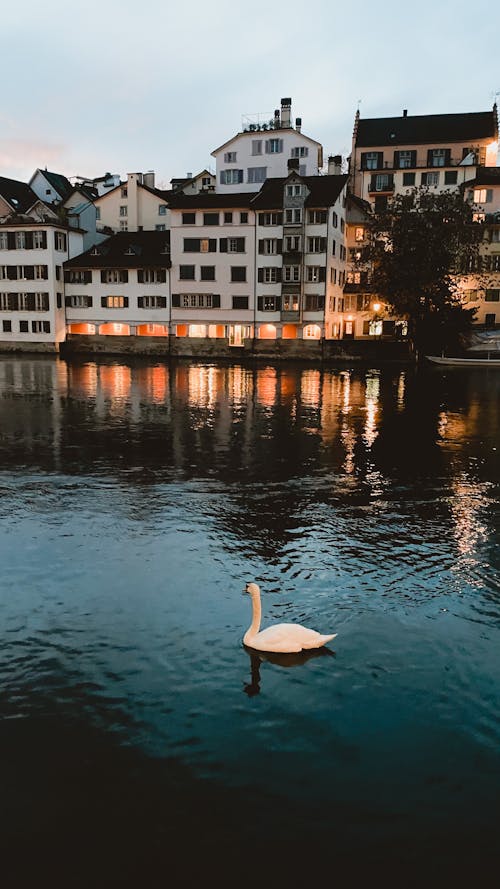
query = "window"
x=39 y=240
x=60 y=240
x=79 y=302
x=200 y=245
x=189 y=218
x=483 y=195
x=269 y=303
x=256 y=174
x=430 y=179
x=450 y=177
x=290 y=302
x=333 y=276
x=123 y=210
x=230 y=157
x=315 y=273
x=3 y=241
x=198 y=301
x=270 y=276
x=294 y=191
x=210 y=219
x=231 y=177
x=232 y=245
x=353 y=277
x=256 y=147
x=7 y=326
x=243 y=218
x=316 y=245
x=315 y=302
x=270 y=218
x=23 y=327
x=492 y=295
x=228 y=218
x=162 y=210
x=495 y=235
x=372 y=160
x=293 y=216
x=240 y=302
x=299 y=151
x=20 y=240
x=114 y=302
x=274 y=146
x=186 y=272
x=238 y=273
x=317 y=217
x=334 y=246
x=206 y=181
x=359 y=234
x=41 y=302
x=40 y=326
x=490 y=319
x=342 y=252
x=342 y=226
x=123 y=225
x=207 y=273
x=152 y=302
x=408 y=179
x=268 y=246
x=335 y=219
x=124 y=191
x=151 y=276
x=292 y=243
x=97 y=213
x=381 y=182
x=437 y=157
x=114 y=276
x=405 y=159
x=291 y=273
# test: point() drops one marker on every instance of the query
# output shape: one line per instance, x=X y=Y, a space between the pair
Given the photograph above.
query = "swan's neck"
x=256 y=616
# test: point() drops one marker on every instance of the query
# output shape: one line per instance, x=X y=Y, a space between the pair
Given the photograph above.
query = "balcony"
x=290 y=315
x=383 y=184
x=363 y=287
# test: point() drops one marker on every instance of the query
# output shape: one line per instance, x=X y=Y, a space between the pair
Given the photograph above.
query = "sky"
x=119 y=86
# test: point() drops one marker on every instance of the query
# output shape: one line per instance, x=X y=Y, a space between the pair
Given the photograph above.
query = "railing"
x=291 y=315
x=389 y=165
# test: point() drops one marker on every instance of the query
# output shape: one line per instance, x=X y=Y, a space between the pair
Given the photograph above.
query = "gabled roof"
x=265 y=134
x=126 y=250
x=323 y=191
x=210 y=200
x=18 y=195
x=427 y=129
x=157 y=192
x=58 y=182
x=485 y=176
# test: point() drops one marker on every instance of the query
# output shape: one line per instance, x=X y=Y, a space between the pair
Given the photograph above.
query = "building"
x=204 y=181
x=81 y=213
x=442 y=151
x=119 y=288
x=134 y=205
x=52 y=188
x=482 y=289
x=261 y=151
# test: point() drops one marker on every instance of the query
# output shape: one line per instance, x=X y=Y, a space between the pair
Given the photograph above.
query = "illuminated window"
x=359 y=234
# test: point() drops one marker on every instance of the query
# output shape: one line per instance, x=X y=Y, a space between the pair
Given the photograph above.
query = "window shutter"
x=261 y=245
x=29 y=240
x=45 y=272
x=240 y=245
x=140 y=302
x=162 y=277
x=447 y=157
x=103 y=277
x=322 y=274
x=279 y=245
x=44 y=240
x=212 y=245
x=260 y=275
x=413 y=158
x=281 y=144
x=322 y=244
x=103 y=302
x=140 y=276
x=489 y=195
x=11 y=240
x=261 y=218
x=430 y=155
x=13 y=302
x=87 y=277
x=380 y=159
x=162 y=302
x=396 y=160
x=260 y=302
x=363 y=162
x=223 y=245
x=125 y=302
x=176 y=300
x=66 y=277
x=89 y=302
x=279 y=220
x=366 y=328
x=12 y=272
x=279 y=275
x=55 y=239
x=424 y=179
x=124 y=276
x=29 y=272
x=31 y=302
x=67 y=301
x=267 y=146
x=216 y=300
x=321 y=302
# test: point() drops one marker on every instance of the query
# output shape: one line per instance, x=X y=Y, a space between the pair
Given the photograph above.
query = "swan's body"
x=284 y=638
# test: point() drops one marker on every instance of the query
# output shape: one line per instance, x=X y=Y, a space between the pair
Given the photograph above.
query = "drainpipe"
x=255 y=254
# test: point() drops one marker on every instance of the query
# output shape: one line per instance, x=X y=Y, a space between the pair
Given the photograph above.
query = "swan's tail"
x=325 y=639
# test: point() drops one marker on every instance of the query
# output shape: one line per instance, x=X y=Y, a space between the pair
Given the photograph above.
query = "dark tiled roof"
x=18 y=195
x=145 y=249
x=427 y=128
x=485 y=176
x=359 y=203
x=210 y=200
x=59 y=183
x=324 y=191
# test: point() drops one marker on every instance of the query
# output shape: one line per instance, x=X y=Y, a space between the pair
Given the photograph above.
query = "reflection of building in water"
x=31 y=390
x=152 y=383
x=469 y=498
x=266 y=385
x=372 y=397
x=310 y=388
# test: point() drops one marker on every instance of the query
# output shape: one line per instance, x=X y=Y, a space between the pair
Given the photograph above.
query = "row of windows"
x=123 y=210
x=207 y=273
x=36 y=326
x=407 y=158
x=314 y=217
x=116 y=276
x=26 y=272
x=214 y=218
x=385 y=181
x=25 y=302
x=270 y=146
x=31 y=240
x=264 y=275
x=313 y=302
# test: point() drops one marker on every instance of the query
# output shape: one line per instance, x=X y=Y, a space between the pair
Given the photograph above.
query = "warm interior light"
x=376 y=307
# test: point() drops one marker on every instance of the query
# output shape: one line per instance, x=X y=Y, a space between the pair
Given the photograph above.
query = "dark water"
x=140 y=744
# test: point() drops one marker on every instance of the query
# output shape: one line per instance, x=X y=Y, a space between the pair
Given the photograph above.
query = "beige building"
x=134 y=205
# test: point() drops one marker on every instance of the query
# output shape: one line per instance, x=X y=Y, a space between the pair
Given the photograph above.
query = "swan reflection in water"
x=296 y=659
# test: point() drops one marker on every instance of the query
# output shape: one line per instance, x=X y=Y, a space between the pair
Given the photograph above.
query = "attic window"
x=393 y=135
x=130 y=251
x=95 y=252
x=15 y=201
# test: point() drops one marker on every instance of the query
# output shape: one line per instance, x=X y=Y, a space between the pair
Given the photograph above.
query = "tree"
x=420 y=244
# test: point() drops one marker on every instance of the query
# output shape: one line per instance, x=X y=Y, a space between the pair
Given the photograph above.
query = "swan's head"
x=252 y=588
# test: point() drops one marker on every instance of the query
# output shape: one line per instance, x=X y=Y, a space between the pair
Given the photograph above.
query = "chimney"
x=298 y=124
x=149 y=179
x=335 y=165
x=405 y=112
x=277 y=123
x=286 y=112
x=189 y=175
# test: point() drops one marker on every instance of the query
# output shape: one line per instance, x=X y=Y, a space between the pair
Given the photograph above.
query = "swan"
x=284 y=638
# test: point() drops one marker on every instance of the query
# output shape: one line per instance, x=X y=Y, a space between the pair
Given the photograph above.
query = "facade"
x=81 y=213
x=52 y=188
x=482 y=290
x=134 y=205
x=119 y=288
x=204 y=181
x=441 y=151
x=262 y=151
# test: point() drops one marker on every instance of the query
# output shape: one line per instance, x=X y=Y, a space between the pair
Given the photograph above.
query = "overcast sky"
x=121 y=86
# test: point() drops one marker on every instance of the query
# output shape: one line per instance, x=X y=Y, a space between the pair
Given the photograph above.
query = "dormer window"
x=295 y=190
x=95 y=252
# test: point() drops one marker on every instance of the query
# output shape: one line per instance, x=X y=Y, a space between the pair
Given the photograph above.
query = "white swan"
x=285 y=638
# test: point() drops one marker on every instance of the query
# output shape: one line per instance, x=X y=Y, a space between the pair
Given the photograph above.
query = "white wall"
x=276 y=164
